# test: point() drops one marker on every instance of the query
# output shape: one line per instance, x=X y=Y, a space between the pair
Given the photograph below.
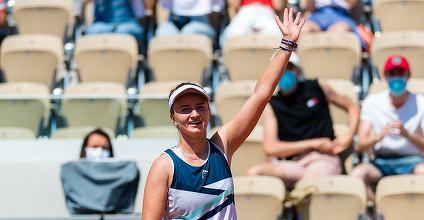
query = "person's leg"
x=199 y=27
x=240 y=25
x=310 y=26
x=99 y=27
x=130 y=27
x=289 y=171
x=322 y=165
x=340 y=26
x=370 y=175
x=419 y=169
x=167 y=28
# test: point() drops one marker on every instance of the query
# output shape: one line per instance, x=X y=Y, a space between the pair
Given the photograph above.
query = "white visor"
x=185 y=89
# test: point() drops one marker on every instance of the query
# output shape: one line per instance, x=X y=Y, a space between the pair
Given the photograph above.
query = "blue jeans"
x=190 y=25
x=397 y=165
x=130 y=27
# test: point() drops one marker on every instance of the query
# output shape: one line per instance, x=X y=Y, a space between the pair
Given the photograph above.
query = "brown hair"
x=97 y=131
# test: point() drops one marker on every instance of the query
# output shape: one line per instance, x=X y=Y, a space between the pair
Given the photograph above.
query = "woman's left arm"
x=232 y=135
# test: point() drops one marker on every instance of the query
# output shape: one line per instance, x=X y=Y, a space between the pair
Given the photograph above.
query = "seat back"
x=31 y=58
x=400 y=197
x=338 y=197
x=100 y=112
x=43 y=16
x=154 y=110
x=229 y=98
x=329 y=55
x=23 y=115
x=406 y=43
x=180 y=57
x=344 y=88
x=407 y=16
x=258 y=197
x=246 y=57
x=106 y=57
x=252 y=149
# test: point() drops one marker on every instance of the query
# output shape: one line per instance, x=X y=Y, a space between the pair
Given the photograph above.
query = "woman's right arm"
x=156 y=189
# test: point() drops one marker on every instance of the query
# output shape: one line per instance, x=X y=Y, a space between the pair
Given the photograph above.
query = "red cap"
x=396 y=61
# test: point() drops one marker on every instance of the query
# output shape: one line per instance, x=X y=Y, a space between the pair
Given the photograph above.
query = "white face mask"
x=96 y=153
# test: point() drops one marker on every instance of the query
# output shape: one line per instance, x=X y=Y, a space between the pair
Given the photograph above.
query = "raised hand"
x=290 y=29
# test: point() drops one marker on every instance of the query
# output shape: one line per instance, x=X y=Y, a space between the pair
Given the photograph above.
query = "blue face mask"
x=397 y=85
x=288 y=81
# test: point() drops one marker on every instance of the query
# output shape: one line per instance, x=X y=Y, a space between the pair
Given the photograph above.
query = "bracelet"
x=285 y=47
x=289 y=43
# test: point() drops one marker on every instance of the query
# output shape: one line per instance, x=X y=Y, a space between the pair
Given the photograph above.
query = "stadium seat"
x=408 y=14
x=406 y=43
x=415 y=85
x=259 y=197
x=32 y=58
x=251 y=149
x=44 y=16
x=91 y=111
x=329 y=55
x=400 y=197
x=246 y=57
x=22 y=118
x=107 y=58
x=79 y=132
x=340 y=117
x=338 y=197
x=229 y=98
x=180 y=57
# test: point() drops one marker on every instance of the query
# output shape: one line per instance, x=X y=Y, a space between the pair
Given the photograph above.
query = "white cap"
x=185 y=89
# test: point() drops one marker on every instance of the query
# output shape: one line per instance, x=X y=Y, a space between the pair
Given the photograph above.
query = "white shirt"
x=377 y=109
x=193 y=7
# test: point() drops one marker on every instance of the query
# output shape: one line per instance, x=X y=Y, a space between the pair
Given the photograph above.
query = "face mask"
x=288 y=81
x=397 y=85
x=96 y=153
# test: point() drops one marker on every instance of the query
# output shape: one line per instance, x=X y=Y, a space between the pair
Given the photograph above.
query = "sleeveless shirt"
x=200 y=192
x=303 y=114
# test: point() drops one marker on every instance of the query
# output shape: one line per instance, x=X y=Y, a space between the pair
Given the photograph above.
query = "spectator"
x=253 y=16
x=298 y=126
x=3 y=19
x=117 y=16
x=397 y=118
x=96 y=145
x=331 y=15
x=189 y=17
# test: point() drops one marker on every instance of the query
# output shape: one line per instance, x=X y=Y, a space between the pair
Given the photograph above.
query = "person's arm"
x=235 y=4
x=310 y=6
x=275 y=148
x=342 y=143
x=149 y=6
x=415 y=139
x=231 y=135
x=156 y=189
x=351 y=3
x=279 y=4
x=365 y=140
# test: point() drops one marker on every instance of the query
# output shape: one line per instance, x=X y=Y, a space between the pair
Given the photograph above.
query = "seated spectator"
x=298 y=126
x=253 y=16
x=189 y=17
x=117 y=16
x=96 y=145
x=397 y=118
x=331 y=15
x=95 y=186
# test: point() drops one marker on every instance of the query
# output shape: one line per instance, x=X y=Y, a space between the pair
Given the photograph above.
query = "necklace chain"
x=196 y=155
